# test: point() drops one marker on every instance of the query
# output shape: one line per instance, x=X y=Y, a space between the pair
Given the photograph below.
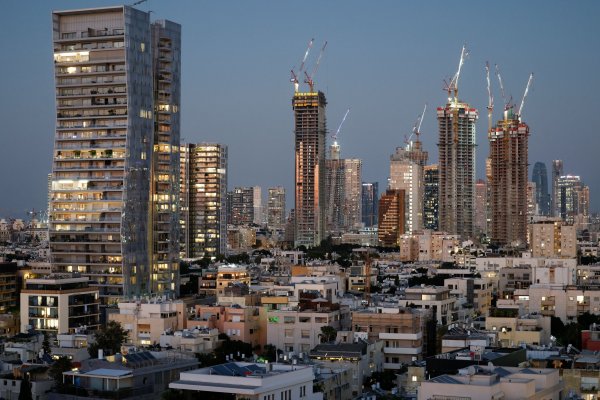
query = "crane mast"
x=335 y=135
x=294 y=76
x=525 y=94
x=490 y=106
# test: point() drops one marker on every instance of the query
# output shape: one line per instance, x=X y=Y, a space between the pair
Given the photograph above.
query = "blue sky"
x=384 y=60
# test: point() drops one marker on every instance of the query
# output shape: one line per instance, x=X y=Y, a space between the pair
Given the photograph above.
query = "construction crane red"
x=309 y=78
x=525 y=95
x=294 y=77
x=490 y=106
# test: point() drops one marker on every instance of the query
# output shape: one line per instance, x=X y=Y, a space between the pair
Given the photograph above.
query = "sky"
x=384 y=60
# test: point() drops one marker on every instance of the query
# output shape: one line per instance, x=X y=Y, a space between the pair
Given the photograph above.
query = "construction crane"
x=309 y=78
x=525 y=95
x=452 y=86
x=335 y=135
x=490 y=106
x=507 y=103
x=294 y=78
x=416 y=127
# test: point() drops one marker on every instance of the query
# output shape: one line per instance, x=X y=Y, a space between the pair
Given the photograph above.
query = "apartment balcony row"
x=74 y=72
x=122 y=124
x=95 y=135
x=84 y=230
x=90 y=34
x=90 y=168
x=110 y=143
x=71 y=62
x=86 y=93
x=77 y=82
x=66 y=240
x=401 y=336
x=67 y=115
x=403 y=350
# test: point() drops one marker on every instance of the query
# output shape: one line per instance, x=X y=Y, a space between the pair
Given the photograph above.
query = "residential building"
x=276 y=208
x=481 y=206
x=137 y=375
x=74 y=346
x=113 y=203
x=490 y=382
x=542 y=197
x=402 y=331
x=514 y=330
x=573 y=199
x=146 y=320
x=508 y=186
x=532 y=206
x=431 y=197
x=240 y=206
x=9 y=288
x=236 y=321
x=437 y=246
x=476 y=292
x=204 y=194
x=437 y=298
x=258 y=205
x=310 y=129
x=197 y=340
x=391 y=217
x=456 y=167
x=551 y=237
x=59 y=303
x=228 y=275
x=242 y=380
x=370 y=203
x=343 y=192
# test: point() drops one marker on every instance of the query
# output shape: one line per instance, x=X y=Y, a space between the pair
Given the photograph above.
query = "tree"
x=328 y=334
x=110 y=338
x=25 y=391
x=63 y=364
x=46 y=344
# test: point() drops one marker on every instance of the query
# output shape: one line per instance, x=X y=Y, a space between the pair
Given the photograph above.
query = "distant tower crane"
x=335 y=135
x=525 y=95
x=417 y=127
x=507 y=103
x=309 y=78
x=452 y=86
x=294 y=78
x=490 y=106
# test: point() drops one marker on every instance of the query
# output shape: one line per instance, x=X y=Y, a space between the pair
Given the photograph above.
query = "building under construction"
x=508 y=186
x=456 y=161
x=310 y=140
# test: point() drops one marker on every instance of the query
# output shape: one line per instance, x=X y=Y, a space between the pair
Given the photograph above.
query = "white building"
x=251 y=381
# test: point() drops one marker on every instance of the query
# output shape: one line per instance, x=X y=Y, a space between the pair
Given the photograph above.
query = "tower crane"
x=507 y=103
x=416 y=128
x=309 y=79
x=525 y=95
x=490 y=106
x=294 y=77
x=452 y=86
x=335 y=135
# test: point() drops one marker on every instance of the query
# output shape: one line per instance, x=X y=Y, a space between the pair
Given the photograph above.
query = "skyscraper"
x=481 y=206
x=241 y=205
x=370 y=203
x=406 y=173
x=456 y=165
x=276 y=208
x=557 y=172
x=310 y=130
x=573 y=199
x=509 y=155
x=258 y=205
x=391 y=217
x=542 y=197
x=204 y=194
x=343 y=192
x=431 y=197
x=113 y=214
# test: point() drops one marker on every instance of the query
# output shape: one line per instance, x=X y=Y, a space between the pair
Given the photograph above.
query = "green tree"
x=46 y=344
x=328 y=334
x=56 y=370
x=25 y=391
x=110 y=338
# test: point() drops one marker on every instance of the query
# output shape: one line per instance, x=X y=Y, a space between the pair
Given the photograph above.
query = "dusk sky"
x=384 y=60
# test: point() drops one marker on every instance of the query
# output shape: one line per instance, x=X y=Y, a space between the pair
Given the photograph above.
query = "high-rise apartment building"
x=406 y=173
x=204 y=196
x=343 y=192
x=392 y=222
x=457 y=167
x=310 y=128
x=431 y=197
x=481 y=206
x=557 y=171
x=532 y=205
x=509 y=141
x=241 y=206
x=370 y=203
x=114 y=210
x=258 y=205
x=542 y=197
x=276 y=208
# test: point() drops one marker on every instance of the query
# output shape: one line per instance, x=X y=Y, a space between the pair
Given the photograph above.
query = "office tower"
x=542 y=197
x=508 y=154
x=204 y=193
x=370 y=203
x=431 y=197
x=532 y=205
x=391 y=217
x=457 y=167
x=573 y=199
x=406 y=173
x=343 y=192
x=241 y=205
x=117 y=116
x=276 y=208
x=557 y=171
x=481 y=206
x=258 y=206
x=310 y=129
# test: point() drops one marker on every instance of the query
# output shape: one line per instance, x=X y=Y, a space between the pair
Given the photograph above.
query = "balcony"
x=403 y=350
x=401 y=336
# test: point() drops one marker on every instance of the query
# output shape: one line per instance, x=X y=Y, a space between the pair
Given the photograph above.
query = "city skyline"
x=397 y=62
